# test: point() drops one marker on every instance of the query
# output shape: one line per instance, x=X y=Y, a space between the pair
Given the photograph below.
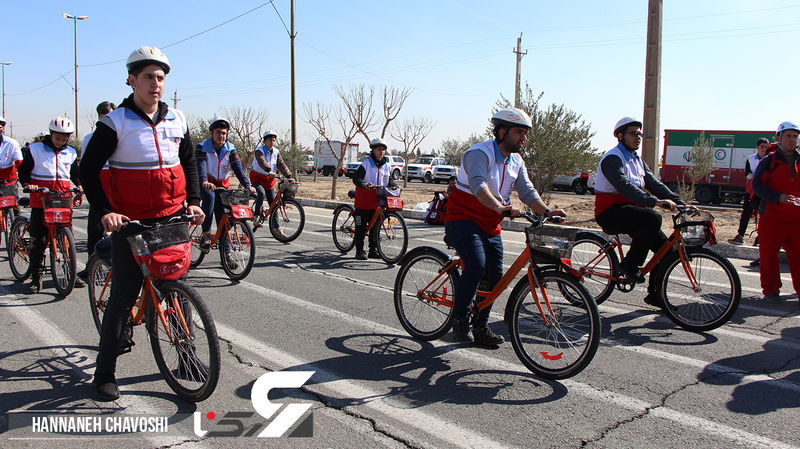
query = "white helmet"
x=377 y=142
x=147 y=54
x=787 y=125
x=512 y=117
x=62 y=125
x=268 y=133
x=219 y=122
x=43 y=134
x=625 y=121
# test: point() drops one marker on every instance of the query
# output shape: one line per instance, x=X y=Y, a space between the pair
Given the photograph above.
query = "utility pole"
x=75 y=20
x=517 y=86
x=175 y=100
x=292 y=35
x=652 y=85
x=3 y=66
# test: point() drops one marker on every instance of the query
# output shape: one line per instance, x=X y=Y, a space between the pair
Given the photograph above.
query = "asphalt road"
x=306 y=307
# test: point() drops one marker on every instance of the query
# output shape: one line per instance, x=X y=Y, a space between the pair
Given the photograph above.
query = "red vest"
x=778 y=177
x=50 y=169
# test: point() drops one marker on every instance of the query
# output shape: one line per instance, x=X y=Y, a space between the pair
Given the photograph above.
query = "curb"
x=726 y=249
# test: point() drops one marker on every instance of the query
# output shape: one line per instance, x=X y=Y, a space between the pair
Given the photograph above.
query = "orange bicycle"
x=58 y=220
x=234 y=238
x=386 y=227
x=182 y=333
x=285 y=215
x=8 y=201
x=553 y=321
x=700 y=289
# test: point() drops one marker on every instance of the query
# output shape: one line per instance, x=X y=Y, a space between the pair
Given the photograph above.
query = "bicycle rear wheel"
x=197 y=255
x=99 y=286
x=287 y=221
x=8 y=218
x=63 y=261
x=423 y=301
x=344 y=228
x=598 y=266
x=19 y=249
x=559 y=344
x=711 y=300
x=187 y=356
x=391 y=237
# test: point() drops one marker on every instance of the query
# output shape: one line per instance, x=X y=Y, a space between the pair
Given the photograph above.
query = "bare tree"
x=702 y=160
x=358 y=102
x=247 y=125
x=319 y=117
x=411 y=133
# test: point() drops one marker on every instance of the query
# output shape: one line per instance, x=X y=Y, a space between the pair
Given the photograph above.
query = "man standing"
x=748 y=206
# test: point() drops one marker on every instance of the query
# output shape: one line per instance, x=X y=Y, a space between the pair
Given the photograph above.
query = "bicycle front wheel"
x=19 y=249
x=704 y=293
x=63 y=261
x=238 y=264
x=99 y=286
x=8 y=218
x=287 y=221
x=344 y=228
x=424 y=294
x=596 y=265
x=391 y=237
x=197 y=255
x=188 y=356
x=558 y=341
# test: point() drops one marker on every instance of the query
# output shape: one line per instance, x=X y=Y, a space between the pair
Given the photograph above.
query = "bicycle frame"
x=224 y=226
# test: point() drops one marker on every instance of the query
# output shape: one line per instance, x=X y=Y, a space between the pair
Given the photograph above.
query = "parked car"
x=351 y=168
x=422 y=167
x=308 y=166
x=398 y=164
x=443 y=172
x=580 y=183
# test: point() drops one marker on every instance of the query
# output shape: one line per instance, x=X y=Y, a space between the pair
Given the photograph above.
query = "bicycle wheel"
x=562 y=343
x=99 y=286
x=415 y=288
x=391 y=237
x=19 y=249
x=287 y=221
x=187 y=356
x=197 y=255
x=243 y=250
x=598 y=267
x=707 y=303
x=8 y=218
x=344 y=228
x=63 y=261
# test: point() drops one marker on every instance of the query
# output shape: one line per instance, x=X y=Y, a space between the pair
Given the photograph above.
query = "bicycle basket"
x=57 y=201
x=8 y=195
x=288 y=189
x=550 y=244
x=696 y=229
x=163 y=251
x=390 y=198
x=234 y=197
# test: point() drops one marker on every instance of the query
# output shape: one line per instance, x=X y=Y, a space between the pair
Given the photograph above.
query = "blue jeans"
x=482 y=255
x=209 y=199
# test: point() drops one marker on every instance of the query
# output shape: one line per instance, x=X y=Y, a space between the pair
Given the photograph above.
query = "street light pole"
x=3 y=65
x=75 y=20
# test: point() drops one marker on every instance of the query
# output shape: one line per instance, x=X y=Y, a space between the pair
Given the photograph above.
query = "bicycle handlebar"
x=178 y=218
x=46 y=190
x=535 y=219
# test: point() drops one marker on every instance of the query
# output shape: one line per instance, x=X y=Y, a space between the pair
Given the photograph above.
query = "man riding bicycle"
x=50 y=163
x=489 y=171
x=10 y=158
x=373 y=172
x=216 y=157
x=625 y=194
x=267 y=161
x=153 y=171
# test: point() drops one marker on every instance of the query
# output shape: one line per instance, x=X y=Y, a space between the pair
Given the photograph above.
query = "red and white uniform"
x=10 y=158
x=218 y=167
x=258 y=175
x=606 y=195
x=379 y=176
x=51 y=169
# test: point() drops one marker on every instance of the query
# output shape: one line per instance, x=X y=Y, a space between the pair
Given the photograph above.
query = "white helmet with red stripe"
x=62 y=125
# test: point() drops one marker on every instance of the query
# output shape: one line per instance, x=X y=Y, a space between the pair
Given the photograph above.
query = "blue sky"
x=726 y=64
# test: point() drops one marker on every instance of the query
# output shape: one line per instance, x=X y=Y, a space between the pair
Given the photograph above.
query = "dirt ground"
x=579 y=208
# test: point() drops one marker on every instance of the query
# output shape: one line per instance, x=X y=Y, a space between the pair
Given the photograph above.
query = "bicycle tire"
x=243 y=250
x=19 y=247
x=560 y=349
x=391 y=237
x=587 y=246
x=343 y=228
x=63 y=261
x=99 y=286
x=197 y=255
x=8 y=218
x=423 y=319
x=190 y=364
x=720 y=290
x=289 y=218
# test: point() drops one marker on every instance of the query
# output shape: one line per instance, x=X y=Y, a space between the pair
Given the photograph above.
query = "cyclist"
x=50 y=163
x=153 y=171
x=93 y=231
x=10 y=158
x=267 y=161
x=625 y=194
x=489 y=171
x=374 y=171
x=216 y=157
x=776 y=182
x=749 y=203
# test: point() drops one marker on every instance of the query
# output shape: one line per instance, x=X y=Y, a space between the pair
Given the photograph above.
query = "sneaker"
x=631 y=273
x=230 y=262
x=755 y=263
x=373 y=254
x=79 y=282
x=280 y=233
x=35 y=286
x=126 y=339
x=738 y=240
x=773 y=298
x=361 y=254
x=485 y=337
x=106 y=392
x=205 y=242
x=654 y=300
x=461 y=330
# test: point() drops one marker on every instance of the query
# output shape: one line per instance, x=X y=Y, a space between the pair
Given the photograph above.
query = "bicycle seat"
x=103 y=248
x=351 y=194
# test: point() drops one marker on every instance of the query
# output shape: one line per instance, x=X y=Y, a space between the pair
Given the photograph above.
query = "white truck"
x=326 y=161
